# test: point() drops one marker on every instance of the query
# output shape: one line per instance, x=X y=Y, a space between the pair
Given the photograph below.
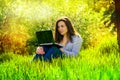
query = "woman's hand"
x=61 y=49
x=40 y=50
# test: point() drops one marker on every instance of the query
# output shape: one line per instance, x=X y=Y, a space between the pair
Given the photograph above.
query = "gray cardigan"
x=73 y=48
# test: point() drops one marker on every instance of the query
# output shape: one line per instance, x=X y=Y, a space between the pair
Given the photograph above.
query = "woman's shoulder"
x=77 y=38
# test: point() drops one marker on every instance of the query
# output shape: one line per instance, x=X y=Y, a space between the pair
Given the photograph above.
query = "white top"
x=73 y=48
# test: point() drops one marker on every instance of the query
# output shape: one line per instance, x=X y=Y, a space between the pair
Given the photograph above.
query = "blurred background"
x=20 y=19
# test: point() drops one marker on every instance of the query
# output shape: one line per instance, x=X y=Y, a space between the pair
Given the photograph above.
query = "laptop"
x=46 y=38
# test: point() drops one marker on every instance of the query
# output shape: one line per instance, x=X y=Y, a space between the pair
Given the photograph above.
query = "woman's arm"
x=77 y=43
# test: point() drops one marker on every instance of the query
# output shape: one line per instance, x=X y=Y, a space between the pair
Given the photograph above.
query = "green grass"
x=87 y=66
x=99 y=63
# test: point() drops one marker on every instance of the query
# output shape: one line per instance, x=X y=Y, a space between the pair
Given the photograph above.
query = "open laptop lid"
x=45 y=36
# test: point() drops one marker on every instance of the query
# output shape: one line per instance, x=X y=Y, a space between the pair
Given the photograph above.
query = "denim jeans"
x=50 y=52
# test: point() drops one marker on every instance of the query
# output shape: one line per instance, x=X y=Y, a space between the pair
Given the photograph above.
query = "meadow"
x=90 y=64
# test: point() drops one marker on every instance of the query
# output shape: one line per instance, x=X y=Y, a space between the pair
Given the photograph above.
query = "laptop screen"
x=45 y=36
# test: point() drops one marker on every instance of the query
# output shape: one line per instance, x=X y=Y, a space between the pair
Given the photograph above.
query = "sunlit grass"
x=89 y=64
x=82 y=67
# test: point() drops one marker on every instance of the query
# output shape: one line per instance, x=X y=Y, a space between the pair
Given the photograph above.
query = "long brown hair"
x=70 y=33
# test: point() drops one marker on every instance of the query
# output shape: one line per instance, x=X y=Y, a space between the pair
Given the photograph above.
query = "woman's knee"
x=54 y=48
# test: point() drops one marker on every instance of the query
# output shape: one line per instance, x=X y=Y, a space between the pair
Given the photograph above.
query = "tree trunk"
x=117 y=19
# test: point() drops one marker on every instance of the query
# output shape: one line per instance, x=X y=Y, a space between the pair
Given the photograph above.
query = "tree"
x=117 y=19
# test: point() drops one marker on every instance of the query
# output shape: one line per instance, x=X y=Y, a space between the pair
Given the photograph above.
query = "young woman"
x=65 y=35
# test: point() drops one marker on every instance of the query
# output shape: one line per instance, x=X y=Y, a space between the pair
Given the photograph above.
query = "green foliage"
x=108 y=46
x=90 y=64
x=21 y=19
x=5 y=57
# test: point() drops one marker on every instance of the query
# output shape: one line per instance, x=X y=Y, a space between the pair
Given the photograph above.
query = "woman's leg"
x=37 y=56
x=53 y=52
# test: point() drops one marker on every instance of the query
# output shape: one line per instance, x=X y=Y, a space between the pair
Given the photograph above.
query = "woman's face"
x=62 y=28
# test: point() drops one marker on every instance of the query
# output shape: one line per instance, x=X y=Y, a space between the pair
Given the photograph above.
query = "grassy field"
x=99 y=63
